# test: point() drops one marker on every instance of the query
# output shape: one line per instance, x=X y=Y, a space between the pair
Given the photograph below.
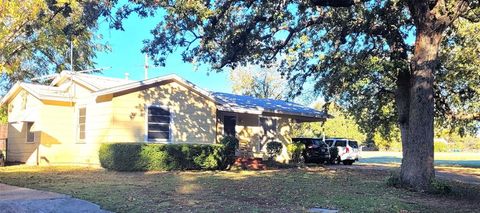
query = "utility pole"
x=146 y=66
x=71 y=55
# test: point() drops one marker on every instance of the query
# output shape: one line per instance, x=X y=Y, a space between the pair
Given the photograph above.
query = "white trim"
x=25 y=86
x=170 y=125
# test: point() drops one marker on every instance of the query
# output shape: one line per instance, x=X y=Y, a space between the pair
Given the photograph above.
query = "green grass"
x=288 y=190
x=456 y=159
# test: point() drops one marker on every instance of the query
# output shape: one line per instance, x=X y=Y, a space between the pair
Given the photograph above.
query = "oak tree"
x=379 y=58
x=35 y=36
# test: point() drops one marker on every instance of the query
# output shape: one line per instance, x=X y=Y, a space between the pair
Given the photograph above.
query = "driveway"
x=15 y=199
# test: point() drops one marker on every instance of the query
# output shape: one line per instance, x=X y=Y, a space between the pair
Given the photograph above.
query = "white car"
x=348 y=151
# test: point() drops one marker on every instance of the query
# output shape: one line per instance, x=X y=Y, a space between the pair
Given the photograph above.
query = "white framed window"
x=159 y=121
x=82 y=118
x=30 y=135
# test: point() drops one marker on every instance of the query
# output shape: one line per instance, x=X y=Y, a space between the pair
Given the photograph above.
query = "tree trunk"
x=402 y=100
x=417 y=169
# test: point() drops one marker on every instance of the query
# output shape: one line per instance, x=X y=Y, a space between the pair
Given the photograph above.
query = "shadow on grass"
x=285 y=190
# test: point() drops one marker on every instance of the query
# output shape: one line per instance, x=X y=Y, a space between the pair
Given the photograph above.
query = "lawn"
x=456 y=159
x=288 y=190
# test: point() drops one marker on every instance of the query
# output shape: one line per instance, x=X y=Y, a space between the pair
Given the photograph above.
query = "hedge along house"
x=65 y=122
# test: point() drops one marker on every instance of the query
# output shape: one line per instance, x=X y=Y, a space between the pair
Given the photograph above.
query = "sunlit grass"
x=288 y=190
x=454 y=159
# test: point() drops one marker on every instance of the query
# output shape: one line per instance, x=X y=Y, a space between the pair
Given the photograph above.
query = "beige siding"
x=59 y=136
x=252 y=137
x=193 y=115
x=18 y=148
x=22 y=107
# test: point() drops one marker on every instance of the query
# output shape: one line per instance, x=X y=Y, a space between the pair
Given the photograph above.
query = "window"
x=82 y=117
x=353 y=144
x=30 y=134
x=158 y=124
x=24 y=101
x=342 y=143
x=269 y=125
x=329 y=142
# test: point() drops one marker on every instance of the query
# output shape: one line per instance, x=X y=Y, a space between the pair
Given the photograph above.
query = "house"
x=66 y=121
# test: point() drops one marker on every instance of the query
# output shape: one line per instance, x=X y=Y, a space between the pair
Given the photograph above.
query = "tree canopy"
x=353 y=54
x=383 y=60
x=35 y=36
x=260 y=82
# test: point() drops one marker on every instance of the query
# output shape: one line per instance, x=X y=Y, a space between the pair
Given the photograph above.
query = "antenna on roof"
x=52 y=76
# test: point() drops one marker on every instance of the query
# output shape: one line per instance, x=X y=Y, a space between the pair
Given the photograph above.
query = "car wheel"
x=347 y=162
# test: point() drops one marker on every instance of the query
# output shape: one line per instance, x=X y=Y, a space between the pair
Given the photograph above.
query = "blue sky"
x=125 y=56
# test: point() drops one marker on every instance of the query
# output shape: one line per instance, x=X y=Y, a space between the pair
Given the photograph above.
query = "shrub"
x=143 y=157
x=274 y=149
x=230 y=144
x=296 y=150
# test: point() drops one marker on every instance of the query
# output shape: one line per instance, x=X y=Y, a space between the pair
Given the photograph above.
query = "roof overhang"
x=301 y=117
x=154 y=81
x=19 y=86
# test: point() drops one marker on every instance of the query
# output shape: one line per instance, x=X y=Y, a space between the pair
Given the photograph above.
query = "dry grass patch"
x=288 y=190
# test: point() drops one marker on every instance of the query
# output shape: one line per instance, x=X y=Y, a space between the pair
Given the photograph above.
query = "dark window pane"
x=353 y=144
x=341 y=143
x=159 y=127
x=158 y=135
x=159 y=119
x=157 y=111
x=158 y=123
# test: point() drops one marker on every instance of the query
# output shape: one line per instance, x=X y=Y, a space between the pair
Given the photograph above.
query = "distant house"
x=65 y=122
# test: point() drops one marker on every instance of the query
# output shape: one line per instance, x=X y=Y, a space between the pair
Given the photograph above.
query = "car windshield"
x=329 y=142
x=342 y=143
x=353 y=144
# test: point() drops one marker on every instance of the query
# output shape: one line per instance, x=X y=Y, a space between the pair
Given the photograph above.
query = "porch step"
x=250 y=163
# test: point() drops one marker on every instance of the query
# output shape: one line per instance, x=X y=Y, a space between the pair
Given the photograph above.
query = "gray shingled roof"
x=242 y=102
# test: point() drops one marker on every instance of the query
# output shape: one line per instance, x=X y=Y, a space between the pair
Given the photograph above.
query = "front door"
x=229 y=123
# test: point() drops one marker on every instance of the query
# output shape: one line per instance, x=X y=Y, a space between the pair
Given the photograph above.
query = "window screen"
x=82 y=117
x=158 y=124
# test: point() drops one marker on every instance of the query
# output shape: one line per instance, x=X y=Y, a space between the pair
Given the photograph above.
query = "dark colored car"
x=316 y=151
